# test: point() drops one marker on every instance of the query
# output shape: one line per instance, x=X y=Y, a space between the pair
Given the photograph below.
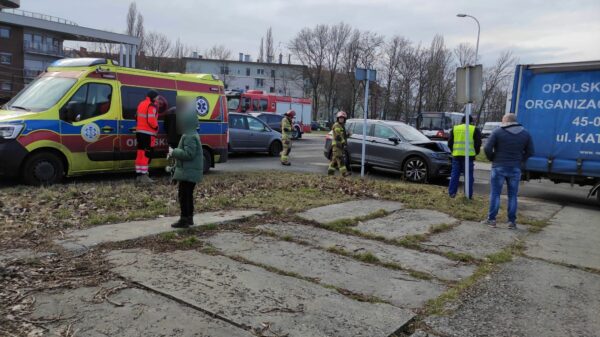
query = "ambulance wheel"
x=207 y=160
x=43 y=168
x=275 y=149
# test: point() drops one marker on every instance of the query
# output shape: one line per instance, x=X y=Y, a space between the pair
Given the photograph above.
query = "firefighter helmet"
x=341 y=114
x=291 y=113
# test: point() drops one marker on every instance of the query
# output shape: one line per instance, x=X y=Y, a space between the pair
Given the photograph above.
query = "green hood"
x=187 y=122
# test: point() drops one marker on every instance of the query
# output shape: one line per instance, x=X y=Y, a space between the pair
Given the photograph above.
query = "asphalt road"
x=307 y=156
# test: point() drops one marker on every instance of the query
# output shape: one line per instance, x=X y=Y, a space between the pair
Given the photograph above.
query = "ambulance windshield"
x=41 y=94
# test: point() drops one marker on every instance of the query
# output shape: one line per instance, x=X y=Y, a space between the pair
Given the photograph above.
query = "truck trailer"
x=559 y=104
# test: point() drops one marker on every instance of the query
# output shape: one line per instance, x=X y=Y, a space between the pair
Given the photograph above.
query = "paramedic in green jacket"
x=189 y=165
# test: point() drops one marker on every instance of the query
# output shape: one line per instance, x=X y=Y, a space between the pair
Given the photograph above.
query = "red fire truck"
x=259 y=101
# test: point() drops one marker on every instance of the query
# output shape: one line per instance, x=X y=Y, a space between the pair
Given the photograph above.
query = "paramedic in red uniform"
x=145 y=134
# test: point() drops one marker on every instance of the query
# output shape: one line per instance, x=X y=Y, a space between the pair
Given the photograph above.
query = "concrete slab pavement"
x=83 y=239
x=573 y=237
x=527 y=298
x=141 y=313
x=475 y=239
x=254 y=297
x=436 y=265
x=348 y=210
x=405 y=222
x=393 y=286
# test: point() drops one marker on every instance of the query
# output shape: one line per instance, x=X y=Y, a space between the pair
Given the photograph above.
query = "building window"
x=259 y=82
x=224 y=70
x=5 y=58
x=273 y=73
x=6 y=86
x=260 y=71
x=247 y=71
x=271 y=89
x=5 y=32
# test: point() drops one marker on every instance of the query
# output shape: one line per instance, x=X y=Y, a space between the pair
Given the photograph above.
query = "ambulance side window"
x=91 y=100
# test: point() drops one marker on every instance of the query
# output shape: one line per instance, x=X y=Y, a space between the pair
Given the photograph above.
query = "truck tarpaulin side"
x=560 y=106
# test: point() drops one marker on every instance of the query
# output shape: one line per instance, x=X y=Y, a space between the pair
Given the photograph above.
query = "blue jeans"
x=458 y=168
x=512 y=176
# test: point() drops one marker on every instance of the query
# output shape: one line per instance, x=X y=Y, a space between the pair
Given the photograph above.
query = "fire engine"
x=259 y=101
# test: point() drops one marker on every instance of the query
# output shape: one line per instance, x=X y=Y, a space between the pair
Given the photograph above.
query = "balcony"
x=43 y=48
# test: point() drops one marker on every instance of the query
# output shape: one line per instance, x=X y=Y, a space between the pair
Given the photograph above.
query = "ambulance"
x=79 y=117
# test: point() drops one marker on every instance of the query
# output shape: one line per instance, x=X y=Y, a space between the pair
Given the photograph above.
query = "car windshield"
x=233 y=103
x=432 y=123
x=41 y=94
x=411 y=134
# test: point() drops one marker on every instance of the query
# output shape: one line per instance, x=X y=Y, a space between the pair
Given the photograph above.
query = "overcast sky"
x=537 y=31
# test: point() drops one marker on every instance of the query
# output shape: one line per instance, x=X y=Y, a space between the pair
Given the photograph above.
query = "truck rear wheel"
x=44 y=168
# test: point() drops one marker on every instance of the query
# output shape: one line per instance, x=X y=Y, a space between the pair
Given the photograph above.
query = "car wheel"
x=207 y=160
x=275 y=149
x=296 y=133
x=415 y=170
x=43 y=168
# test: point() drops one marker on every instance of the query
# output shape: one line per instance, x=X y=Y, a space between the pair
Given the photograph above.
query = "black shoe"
x=189 y=221
x=181 y=223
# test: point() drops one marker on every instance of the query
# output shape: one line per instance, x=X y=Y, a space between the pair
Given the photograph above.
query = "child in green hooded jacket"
x=189 y=166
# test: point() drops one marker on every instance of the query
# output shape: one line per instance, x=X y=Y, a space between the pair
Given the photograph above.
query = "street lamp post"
x=478 y=31
x=468 y=113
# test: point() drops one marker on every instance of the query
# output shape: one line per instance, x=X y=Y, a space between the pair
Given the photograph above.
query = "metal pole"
x=364 y=140
x=133 y=54
x=478 y=32
x=121 y=54
x=467 y=133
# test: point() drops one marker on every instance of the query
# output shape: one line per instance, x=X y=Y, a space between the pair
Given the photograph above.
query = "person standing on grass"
x=508 y=148
x=188 y=167
x=145 y=134
x=457 y=144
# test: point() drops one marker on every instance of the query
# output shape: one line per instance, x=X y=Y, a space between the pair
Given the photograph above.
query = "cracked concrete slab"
x=83 y=239
x=573 y=237
x=348 y=210
x=253 y=296
x=527 y=298
x=142 y=313
x=535 y=209
x=433 y=264
x=11 y=255
x=475 y=239
x=393 y=286
x=405 y=222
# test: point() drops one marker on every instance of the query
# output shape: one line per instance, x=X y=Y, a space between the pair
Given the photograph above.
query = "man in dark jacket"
x=508 y=148
x=456 y=143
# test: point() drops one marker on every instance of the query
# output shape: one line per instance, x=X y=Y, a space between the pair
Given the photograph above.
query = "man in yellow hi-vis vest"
x=457 y=144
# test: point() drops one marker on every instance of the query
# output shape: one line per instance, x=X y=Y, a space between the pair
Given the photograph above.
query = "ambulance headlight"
x=10 y=131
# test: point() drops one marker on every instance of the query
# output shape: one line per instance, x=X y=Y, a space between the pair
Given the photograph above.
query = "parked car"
x=274 y=122
x=250 y=134
x=489 y=127
x=396 y=146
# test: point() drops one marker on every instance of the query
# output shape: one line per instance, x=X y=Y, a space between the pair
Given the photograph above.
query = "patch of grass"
x=461 y=257
x=168 y=236
x=420 y=275
x=440 y=228
x=189 y=241
x=411 y=241
x=353 y=221
x=209 y=249
x=500 y=257
x=210 y=227
x=367 y=257
x=287 y=238
x=481 y=157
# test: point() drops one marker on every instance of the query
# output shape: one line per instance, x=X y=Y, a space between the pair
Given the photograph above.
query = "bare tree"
x=269 y=47
x=261 y=50
x=337 y=39
x=350 y=60
x=496 y=79
x=465 y=54
x=218 y=52
x=131 y=18
x=390 y=63
x=179 y=52
x=157 y=46
x=309 y=47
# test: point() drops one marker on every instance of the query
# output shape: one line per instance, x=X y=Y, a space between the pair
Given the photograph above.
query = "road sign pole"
x=467 y=135
x=364 y=139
